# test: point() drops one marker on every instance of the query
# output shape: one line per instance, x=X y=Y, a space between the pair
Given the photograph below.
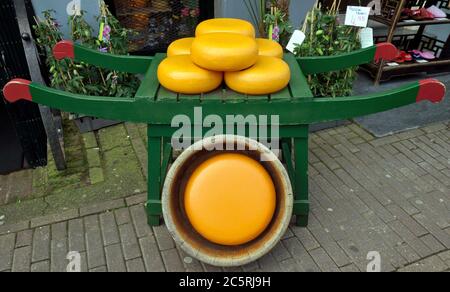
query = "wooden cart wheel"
x=227 y=208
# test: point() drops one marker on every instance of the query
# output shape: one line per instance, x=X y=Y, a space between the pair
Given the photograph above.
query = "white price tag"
x=298 y=37
x=357 y=16
x=366 y=37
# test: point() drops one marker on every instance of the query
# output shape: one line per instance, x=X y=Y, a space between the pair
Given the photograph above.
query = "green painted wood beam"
x=315 y=65
x=296 y=112
x=129 y=64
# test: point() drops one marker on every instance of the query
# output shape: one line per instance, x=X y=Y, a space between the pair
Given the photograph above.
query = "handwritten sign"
x=366 y=37
x=297 y=39
x=357 y=16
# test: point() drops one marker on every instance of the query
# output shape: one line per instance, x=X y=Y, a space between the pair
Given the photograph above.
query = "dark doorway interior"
x=23 y=141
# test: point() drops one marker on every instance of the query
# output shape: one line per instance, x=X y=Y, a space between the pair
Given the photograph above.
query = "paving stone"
x=24 y=238
x=41 y=244
x=151 y=255
x=432 y=243
x=50 y=219
x=290 y=265
x=190 y=264
x=129 y=241
x=431 y=264
x=213 y=269
x=102 y=207
x=93 y=157
x=136 y=199
x=163 y=238
x=269 y=264
x=102 y=269
x=109 y=229
x=445 y=256
x=172 y=260
x=96 y=176
x=139 y=217
x=89 y=139
x=299 y=253
x=407 y=252
x=350 y=269
x=414 y=242
x=253 y=266
x=440 y=235
x=114 y=258
x=122 y=216
x=76 y=235
x=41 y=267
x=417 y=229
x=59 y=231
x=305 y=237
x=11 y=228
x=322 y=259
x=135 y=266
x=58 y=259
x=280 y=253
x=94 y=246
x=22 y=259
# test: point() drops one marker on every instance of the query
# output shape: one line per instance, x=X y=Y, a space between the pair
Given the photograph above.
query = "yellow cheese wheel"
x=180 y=47
x=269 y=48
x=230 y=199
x=230 y=25
x=179 y=74
x=224 y=51
x=268 y=75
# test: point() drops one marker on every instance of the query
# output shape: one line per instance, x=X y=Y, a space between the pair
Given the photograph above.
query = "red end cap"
x=386 y=52
x=17 y=89
x=432 y=90
x=64 y=49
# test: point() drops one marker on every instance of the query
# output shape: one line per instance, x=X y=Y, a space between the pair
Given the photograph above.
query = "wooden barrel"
x=224 y=242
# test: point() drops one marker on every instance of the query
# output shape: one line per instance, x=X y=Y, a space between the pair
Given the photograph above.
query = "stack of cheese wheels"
x=224 y=47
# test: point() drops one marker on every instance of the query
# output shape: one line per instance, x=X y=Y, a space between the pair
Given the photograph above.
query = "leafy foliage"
x=82 y=78
x=325 y=36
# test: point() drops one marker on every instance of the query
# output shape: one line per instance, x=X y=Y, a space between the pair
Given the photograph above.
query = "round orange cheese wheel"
x=230 y=25
x=180 y=47
x=230 y=199
x=179 y=74
x=269 y=48
x=224 y=51
x=268 y=75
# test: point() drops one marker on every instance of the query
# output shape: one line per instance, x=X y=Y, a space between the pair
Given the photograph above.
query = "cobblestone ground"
x=389 y=195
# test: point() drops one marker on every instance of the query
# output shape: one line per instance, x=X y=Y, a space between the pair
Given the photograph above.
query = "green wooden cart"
x=295 y=105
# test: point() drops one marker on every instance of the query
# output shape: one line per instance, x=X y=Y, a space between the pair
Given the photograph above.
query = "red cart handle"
x=432 y=90
x=17 y=89
x=386 y=52
x=64 y=49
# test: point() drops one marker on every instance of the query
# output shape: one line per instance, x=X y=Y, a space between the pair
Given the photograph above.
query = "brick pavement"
x=390 y=195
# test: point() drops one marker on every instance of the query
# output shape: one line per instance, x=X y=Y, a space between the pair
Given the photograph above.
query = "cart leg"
x=154 y=209
x=301 y=204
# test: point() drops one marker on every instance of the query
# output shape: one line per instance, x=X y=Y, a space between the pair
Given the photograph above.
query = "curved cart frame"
x=295 y=105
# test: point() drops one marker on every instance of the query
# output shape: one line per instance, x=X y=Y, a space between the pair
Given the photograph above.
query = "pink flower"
x=107 y=32
x=185 y=12
x=276 y=33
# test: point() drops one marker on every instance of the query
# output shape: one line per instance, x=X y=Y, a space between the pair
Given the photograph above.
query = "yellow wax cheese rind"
x=230 y=199
x=268 y=75
x=180 y=47
x=230 y=25
x=224 y=52
x=179 y=74
x=270 y=48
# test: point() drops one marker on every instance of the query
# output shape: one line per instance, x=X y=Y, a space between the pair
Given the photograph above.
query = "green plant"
x=325 y=36
x=271 y=17
x=82 y=78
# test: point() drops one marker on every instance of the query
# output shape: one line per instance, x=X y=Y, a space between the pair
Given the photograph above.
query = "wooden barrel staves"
x=227 y=207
